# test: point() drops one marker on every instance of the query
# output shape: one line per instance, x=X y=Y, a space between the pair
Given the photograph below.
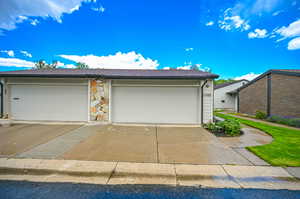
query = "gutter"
x=108 y=76
x=202 y=86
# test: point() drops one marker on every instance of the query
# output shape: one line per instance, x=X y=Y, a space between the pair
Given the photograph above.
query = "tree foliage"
x=42 y=64
x=221 y=81
x=81 y=65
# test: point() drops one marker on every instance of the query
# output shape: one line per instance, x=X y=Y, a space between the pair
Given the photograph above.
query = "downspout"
x=202 y=86
x=1 y=98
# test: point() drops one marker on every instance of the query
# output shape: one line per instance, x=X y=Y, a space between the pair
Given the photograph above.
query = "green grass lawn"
x=284 y=150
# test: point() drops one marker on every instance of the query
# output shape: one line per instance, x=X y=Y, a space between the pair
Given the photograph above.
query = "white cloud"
x=25 y=53
x=10 y=53
x=249 y=76
x=190 y=66
x=277 y=13
x=292 y=30
x=130 y=60
x=34 y=22
x=16 y=11
x=231 y=22
x=100 y=9
x=210 y=23
x=294 y=44
x=258 y=33
x=189 y=49
x=187 y=67
x=264 y=5
x=15 y=62
x=63 y=65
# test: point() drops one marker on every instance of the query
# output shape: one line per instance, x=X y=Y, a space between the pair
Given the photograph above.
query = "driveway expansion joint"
x=112 y=173
x=231 y=177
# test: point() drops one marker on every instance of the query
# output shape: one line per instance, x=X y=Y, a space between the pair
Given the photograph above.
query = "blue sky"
x=231 y=37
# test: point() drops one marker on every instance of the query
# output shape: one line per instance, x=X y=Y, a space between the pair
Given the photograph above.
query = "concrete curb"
x=94 y=172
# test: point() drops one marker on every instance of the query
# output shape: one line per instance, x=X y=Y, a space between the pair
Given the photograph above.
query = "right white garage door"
x=155 y=105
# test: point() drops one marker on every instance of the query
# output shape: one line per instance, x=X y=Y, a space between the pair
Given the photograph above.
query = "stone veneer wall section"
x=99 y=100
x=285 y=97
x=254 y=97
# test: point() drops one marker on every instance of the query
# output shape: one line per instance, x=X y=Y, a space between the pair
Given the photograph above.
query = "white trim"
x=199 y=103
x=89 y=100
x=211 y=101
x=50 y=84
x=156 y=85
x=109 y=100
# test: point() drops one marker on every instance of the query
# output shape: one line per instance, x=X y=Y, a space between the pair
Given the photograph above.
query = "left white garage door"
x=49 y=102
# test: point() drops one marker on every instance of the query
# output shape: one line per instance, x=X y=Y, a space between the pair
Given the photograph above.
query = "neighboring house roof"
x=111 y=73
x=288 y=72
x=228 y=83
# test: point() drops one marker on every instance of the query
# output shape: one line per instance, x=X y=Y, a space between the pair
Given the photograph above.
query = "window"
x=223 y=101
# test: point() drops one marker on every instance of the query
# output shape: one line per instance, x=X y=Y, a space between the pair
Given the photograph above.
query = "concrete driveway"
x=155 y=144
x=22 y=137
x=152 y=144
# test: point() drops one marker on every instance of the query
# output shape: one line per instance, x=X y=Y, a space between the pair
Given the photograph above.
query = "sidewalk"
x=218 y=176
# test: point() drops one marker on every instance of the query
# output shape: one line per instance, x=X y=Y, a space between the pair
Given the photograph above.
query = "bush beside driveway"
x=284 y=150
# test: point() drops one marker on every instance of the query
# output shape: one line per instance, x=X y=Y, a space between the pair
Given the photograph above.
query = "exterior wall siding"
x=285 y=96
x=99 y=100
x=229 y=99
x=254 y=97
x=208 y=102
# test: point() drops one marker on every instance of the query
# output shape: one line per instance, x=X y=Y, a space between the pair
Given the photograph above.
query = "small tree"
x=42 y=64
x=81 y=65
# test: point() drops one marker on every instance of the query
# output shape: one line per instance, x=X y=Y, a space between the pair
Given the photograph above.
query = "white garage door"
x=155 y=105
x=49 y=103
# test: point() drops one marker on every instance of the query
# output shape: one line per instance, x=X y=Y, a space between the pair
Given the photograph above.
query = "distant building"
x=225 y=96
x=275 y=92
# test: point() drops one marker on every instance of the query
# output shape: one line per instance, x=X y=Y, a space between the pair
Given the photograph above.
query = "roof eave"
x=108 y=76
x=267 y=73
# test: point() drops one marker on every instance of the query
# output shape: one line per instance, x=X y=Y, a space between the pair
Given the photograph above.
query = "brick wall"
x=285 y=100
x=254 y=97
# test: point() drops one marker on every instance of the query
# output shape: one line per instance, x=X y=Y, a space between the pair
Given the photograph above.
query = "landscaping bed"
x=289 y=121
x=226 y=128
x=284 y=150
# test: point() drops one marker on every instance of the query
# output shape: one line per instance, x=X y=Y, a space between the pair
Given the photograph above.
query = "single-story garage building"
x=108 y=95
x=275 y=92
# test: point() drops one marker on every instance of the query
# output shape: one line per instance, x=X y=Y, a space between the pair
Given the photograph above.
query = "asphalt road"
x=30 y=190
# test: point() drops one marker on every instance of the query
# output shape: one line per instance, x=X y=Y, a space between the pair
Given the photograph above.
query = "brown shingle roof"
x=111 y=73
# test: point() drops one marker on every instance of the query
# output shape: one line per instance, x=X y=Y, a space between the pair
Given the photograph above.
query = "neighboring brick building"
x=275 y=92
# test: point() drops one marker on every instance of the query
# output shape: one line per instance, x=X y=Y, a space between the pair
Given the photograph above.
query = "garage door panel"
x=155 y=105
x=45 y=102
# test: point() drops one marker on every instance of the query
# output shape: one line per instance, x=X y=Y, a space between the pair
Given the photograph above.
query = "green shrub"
x=213 y=127
x=229 y=127
x=260 y=115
